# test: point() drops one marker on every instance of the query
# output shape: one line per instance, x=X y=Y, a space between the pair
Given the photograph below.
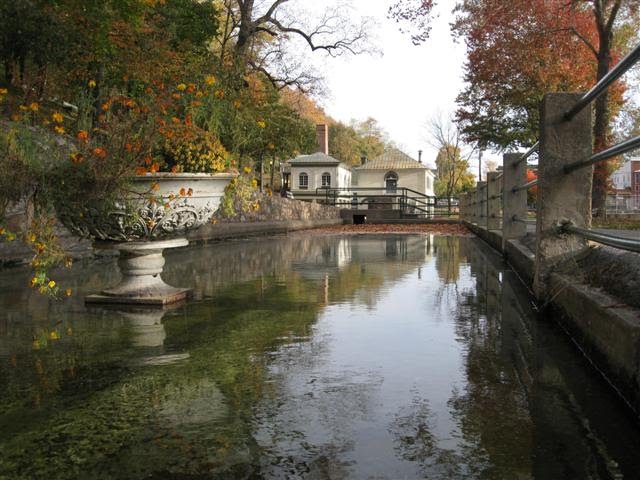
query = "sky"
x=405 y=86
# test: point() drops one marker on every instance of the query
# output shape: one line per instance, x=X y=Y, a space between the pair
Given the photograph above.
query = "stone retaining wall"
x=594 y=296
x=274 y=215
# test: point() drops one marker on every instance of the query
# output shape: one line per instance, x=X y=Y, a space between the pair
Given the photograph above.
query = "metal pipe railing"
x=528 y=153
x=616 y=72
x=610 y=152
x=610 y=240
x=515 y=218
x=526 y=186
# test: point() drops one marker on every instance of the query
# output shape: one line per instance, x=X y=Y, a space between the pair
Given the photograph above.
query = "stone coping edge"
x=224 y=231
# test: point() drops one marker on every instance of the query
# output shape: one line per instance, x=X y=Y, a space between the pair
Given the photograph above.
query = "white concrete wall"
x=416 y=179
x=340 y=177
x=621 y=178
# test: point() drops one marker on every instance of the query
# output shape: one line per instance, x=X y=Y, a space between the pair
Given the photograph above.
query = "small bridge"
x=381 y=203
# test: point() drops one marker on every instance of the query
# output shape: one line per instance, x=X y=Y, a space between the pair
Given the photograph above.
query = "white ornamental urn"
x=156 y=214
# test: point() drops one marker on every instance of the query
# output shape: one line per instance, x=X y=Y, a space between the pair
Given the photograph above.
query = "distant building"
x=394 y=170
x=392 y=181
x=308 y=175
x=621 y=178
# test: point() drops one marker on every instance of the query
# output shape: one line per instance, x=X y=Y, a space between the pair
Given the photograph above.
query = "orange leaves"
x=83 y=136
x=99 y=152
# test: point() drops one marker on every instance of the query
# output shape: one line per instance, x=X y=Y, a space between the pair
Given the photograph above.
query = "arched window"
x=326 y=180
x=391 y=182
x=303 y=181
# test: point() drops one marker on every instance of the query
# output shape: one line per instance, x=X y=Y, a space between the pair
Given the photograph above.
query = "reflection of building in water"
x=361 y=266
x=328 y=257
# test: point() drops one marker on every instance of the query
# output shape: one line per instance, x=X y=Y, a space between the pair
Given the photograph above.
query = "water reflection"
x=304 y=357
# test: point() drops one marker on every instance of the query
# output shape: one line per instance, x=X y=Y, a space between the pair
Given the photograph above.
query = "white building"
x=395 y=170
x=308 y=175
x=621 y=178
x=392 y=181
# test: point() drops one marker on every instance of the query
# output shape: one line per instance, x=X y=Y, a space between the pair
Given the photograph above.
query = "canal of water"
x=317 y=357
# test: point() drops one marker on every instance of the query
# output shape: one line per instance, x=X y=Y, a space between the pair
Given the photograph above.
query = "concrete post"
x=493 y=201
x=482 y=203
x=514 y=204
x=561 y=196
x=462 y=207
x=474 y=206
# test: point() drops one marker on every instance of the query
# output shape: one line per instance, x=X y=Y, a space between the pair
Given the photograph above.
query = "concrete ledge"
x=521 y=258
x=223 y=231
x=607 y=332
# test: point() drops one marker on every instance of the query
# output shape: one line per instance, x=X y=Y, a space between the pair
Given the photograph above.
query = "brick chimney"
x=322 y=137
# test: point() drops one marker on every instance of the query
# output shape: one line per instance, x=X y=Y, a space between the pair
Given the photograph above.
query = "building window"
x=303 y=181
x=391 y=182
x=326 y=180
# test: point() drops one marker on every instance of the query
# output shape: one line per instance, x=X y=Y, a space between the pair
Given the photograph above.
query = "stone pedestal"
x=141 y=264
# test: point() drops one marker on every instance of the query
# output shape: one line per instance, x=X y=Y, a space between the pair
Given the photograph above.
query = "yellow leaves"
x=59 y=129
x=51 y=284
x=91 y=83
x=210 y=80
x=247 y=170
x=34 y=107
x=219 y=93
x=155 y=186
x=54 y=335
x=176 y=96
x=3 y=91
x=57 y=117
x=261 y=124
x=237 y=103
x=34 y=282
x=68 y=292
x=271 y=146
x=181 y=87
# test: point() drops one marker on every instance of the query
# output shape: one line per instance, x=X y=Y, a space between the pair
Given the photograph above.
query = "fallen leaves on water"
x=432 y=228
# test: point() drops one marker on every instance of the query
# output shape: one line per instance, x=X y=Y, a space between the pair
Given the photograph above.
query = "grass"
x=616 y=223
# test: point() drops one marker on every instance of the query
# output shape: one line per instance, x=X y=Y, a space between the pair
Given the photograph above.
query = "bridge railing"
x=564 y=183
x=406 y=200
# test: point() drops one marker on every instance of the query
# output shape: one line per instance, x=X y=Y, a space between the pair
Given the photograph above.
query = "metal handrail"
x=610 y=152
x=616 y=72
x=606 y=239
x=528 y=153
x=526 y=186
